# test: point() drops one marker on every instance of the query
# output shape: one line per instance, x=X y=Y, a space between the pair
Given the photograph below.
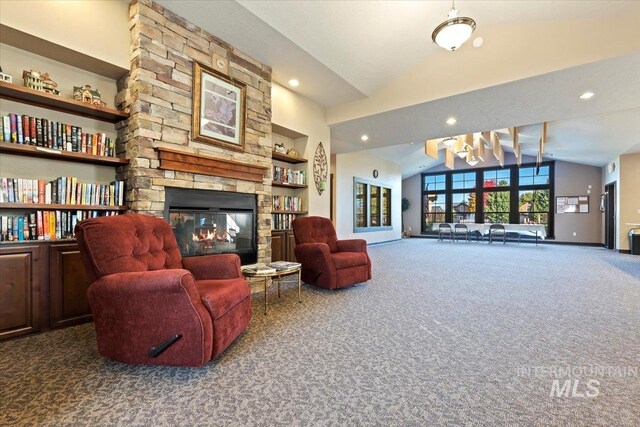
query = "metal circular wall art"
x=320 y=168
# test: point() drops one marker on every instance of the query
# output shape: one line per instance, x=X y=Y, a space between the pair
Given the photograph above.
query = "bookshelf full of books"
x=59 y=167
x=290 y=190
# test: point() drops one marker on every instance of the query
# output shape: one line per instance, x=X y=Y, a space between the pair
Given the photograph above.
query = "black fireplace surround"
x=213 y=222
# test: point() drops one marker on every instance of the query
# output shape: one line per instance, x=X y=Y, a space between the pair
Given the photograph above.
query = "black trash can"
x=634 y=241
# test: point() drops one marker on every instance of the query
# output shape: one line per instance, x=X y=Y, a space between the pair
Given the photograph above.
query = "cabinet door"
x=19 y=291
x=67 y=287
x=291 y=246
x=278 y=246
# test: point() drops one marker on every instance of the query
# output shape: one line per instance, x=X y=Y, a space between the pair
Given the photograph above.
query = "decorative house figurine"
x=88 y=95
x=32 y=79
x=279 y=148
x=4 y=77
x=48 y=85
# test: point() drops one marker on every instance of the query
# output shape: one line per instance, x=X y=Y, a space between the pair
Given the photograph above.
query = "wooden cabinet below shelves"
x=68 y=286
x=283 y=244
x=42 y=286
x=19 y=291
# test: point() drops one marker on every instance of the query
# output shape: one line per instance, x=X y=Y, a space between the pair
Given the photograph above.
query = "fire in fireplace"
x=213 y=222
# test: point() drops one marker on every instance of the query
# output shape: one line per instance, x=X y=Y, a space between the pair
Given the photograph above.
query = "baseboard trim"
x=625 y=251
x=384 y=242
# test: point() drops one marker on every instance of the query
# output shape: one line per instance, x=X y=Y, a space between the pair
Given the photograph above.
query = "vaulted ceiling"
x=373 y=66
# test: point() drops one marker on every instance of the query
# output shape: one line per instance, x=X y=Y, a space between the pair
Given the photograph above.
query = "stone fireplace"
x=213 y=222
x=157 y=93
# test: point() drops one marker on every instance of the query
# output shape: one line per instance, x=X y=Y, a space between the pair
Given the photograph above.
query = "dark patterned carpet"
x=445 y=334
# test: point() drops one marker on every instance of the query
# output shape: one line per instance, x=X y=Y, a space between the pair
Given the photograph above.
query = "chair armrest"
x=141 y=284
x=223 y=266
x=352 y=245
x=315 y=256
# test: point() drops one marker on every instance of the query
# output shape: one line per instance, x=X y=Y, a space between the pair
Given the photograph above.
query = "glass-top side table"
x=277 y=275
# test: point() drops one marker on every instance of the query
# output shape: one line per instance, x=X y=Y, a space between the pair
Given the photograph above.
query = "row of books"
x=286 y=203
x=66 y=190
x=289 y=176
x=282 y=221
x=22 y=129
x=44 y=225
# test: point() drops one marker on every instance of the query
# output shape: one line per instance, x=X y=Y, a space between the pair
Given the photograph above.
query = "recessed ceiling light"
x=411 y=143
x=587 y=95
x=451 y=121
x=478 y=41
x=294 y=82
x=364 y=137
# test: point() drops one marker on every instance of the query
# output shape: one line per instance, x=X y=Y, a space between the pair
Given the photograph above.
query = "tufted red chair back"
x=315 y=229
x=126 y=243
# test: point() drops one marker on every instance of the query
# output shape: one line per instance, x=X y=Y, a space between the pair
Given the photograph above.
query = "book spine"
x=6 y=120
x=40 y=225
x=26 y=129
x=14 y=127
x=67 y=133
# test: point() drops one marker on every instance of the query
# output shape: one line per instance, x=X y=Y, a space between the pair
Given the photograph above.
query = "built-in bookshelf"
x=290 y=174
x=41 y=261
x=59 y=141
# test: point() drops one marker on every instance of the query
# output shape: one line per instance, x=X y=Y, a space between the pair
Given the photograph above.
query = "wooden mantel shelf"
x=204 y=165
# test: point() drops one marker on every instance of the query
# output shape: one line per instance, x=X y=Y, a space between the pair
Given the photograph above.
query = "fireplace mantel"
x=183 y=161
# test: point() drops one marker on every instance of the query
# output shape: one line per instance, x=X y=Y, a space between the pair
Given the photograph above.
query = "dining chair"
x=497 y=230
x=461 y=229
x=445 y=230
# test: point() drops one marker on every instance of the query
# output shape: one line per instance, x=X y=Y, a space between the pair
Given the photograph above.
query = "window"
x=374 y=206
x=496 y=205
x=463 y=207
x=528 y=176
x=465 y=180
x=497 y=178
x=434 y=206
x=361 y=204
x=434 y=182
x=512 y=195
x=371 y=206
x=386 y=207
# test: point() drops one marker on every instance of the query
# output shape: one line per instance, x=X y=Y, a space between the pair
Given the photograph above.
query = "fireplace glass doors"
x=213 y=222
x=203 y=233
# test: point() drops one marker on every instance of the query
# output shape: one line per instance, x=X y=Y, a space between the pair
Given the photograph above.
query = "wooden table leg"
x=279 y=282
x=299 y=287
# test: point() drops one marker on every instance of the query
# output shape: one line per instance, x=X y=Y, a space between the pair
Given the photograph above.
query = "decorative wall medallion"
x=320 y=169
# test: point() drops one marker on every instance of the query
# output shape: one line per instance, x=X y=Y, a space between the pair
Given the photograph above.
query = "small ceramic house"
x=4 y=77
x=48 y=85
x=32 y=79
x=88 y=95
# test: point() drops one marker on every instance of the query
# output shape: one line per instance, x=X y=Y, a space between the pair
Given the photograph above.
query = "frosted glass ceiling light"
x=453 y=32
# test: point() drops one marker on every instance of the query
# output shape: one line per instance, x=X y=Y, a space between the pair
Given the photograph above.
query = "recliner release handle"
x=160 y=348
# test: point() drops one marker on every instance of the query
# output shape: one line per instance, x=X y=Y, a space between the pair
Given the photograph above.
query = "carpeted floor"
x=445 y=334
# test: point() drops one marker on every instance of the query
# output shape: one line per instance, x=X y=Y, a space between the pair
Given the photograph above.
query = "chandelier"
x=453 y=32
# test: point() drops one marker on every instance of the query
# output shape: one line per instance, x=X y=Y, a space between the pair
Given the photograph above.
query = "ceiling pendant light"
x=453 y=32
x=472 y=160
x=449 y=142
x=461 y=151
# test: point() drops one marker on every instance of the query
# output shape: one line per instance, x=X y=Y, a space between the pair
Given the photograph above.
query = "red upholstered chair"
x=326 y=261
x=144 y=294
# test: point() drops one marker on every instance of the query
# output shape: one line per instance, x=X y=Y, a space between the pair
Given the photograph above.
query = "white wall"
x=361 y=165
x=304 y=116
x=97 y=28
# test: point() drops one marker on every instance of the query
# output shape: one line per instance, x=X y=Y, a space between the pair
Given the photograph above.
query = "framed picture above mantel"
x=219 y=108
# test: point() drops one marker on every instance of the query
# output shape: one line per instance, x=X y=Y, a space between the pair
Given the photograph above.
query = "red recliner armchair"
x=327 y=262
x=151 y=306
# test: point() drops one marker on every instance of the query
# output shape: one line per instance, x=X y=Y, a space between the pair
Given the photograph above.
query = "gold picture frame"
x=219 y=108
